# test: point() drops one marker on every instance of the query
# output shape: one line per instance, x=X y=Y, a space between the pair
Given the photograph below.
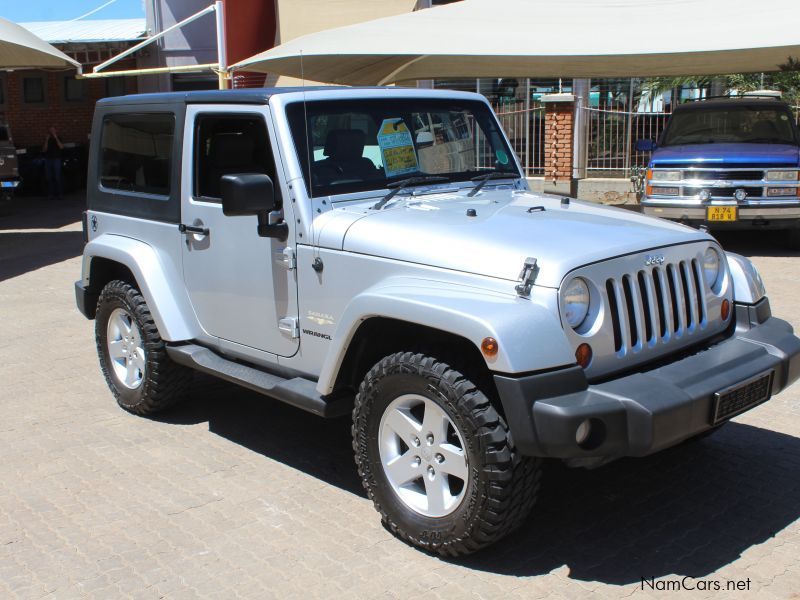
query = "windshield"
x=731 y=124
x=362 y=145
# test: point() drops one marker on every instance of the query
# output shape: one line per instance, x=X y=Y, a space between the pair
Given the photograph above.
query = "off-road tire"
x=164 y=382
x=502 y=486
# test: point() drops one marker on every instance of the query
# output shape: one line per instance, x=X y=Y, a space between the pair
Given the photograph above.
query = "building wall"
x=30 y=122
x=192 y=44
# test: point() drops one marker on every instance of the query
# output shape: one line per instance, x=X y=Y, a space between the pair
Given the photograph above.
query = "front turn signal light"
x=489 y=347
x=583 y=355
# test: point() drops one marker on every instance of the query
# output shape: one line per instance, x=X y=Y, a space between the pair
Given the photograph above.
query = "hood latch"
x=527 y=277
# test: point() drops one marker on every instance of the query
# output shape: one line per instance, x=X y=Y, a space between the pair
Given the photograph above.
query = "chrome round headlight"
x=575 y=302
x=711 y=266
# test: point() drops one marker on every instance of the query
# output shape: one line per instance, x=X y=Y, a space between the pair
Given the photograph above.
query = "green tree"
x=785 y=80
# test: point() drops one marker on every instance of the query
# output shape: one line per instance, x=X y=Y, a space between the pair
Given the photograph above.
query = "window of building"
x=228 y=144
x=33 y=89
x=74 y=89
x=136 y=152
x=2 y=90
x=115 y=86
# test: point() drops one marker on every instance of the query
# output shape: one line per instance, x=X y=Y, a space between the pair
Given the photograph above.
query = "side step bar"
x=296 y=391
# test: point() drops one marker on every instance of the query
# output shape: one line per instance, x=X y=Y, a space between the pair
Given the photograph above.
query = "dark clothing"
x=55 y=185
x=53 y=150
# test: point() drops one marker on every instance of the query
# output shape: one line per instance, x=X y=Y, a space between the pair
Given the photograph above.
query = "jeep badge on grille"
x=654 y=259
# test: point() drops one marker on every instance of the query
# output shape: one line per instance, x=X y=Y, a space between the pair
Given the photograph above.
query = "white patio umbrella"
x=20 y=49
x=550 y=38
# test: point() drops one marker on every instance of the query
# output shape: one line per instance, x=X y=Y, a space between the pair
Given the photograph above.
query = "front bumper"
x=644 y=412
x=774 y=215
x=85 y=300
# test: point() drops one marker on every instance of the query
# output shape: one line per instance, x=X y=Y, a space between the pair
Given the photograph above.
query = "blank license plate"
x=722 y=213
x=741 y=397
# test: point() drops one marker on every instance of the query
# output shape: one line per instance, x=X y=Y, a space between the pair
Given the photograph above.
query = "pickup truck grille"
x=724 y=192
x=659 y=303
x=724 y=175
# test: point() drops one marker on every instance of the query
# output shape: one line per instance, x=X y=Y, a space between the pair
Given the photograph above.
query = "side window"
x=229 y=144
x=136 y=152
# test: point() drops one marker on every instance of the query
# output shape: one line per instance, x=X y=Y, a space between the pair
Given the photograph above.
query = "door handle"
x=193 y=229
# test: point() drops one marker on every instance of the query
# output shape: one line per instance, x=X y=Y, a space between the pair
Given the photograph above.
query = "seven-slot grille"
x=659 y=303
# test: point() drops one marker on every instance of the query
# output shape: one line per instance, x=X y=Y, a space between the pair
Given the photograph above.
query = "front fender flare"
x=528 y=332
x=167 y=301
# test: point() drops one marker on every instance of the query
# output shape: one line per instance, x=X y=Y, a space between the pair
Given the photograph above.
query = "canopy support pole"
x=580 y=134
x=221 y=66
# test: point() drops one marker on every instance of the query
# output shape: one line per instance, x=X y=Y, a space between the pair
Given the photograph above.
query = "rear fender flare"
x=158 y=280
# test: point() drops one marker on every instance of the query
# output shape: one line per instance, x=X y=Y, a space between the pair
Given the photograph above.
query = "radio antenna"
x=309 y=155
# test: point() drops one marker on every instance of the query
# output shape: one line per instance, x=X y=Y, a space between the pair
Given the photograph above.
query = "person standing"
x=52 y=161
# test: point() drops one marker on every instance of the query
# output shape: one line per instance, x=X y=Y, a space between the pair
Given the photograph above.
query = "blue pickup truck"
x=727 y=163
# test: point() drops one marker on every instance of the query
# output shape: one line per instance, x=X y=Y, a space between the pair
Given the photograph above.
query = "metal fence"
x=523 y=123
x=612 y=136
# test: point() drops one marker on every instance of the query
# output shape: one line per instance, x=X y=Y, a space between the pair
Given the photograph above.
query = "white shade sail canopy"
x=547 y=38
x=20 y=49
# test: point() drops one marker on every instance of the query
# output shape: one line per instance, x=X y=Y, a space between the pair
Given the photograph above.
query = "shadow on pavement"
x=39 y=213
x=318 y=447
x=21 y=252
x=25 y=247
x=686 y=511
x=756 y=243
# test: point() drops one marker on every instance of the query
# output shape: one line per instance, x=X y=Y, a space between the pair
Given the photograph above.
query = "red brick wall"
x=30 y=122
x=558 y=122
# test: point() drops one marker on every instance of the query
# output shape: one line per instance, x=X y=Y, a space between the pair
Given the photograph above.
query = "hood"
x=728 y=154
x=508 y=227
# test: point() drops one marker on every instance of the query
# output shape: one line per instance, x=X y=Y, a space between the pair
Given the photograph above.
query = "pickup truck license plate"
x=722 y=213
x=742 y=396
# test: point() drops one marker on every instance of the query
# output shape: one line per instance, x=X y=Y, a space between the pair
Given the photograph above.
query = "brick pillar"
x=559 y=117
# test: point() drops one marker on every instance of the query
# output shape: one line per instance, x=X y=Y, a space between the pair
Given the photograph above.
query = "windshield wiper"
x=397 y=186
x=486 y=178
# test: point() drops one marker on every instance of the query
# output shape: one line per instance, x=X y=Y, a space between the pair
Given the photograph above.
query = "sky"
x=62 y=10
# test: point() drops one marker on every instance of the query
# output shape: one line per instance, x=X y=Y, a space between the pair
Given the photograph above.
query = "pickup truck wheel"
x=437 y=459
x=132 y=354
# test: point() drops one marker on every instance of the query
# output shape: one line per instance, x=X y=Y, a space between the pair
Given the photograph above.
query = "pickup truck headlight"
x=658 y=175
x=575 y=302
x=711 y=268
x=782 y=175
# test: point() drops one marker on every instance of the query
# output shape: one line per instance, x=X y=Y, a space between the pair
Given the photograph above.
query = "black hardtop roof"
x=727 y=102
x=243 y=96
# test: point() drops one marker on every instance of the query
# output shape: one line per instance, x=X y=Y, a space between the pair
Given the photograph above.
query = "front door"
x=239 y=286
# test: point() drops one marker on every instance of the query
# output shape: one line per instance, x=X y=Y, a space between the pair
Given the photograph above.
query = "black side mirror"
x=645 y=145
x=247 y=194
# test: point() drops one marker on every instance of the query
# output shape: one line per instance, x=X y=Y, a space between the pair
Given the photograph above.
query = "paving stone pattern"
x=235 y=496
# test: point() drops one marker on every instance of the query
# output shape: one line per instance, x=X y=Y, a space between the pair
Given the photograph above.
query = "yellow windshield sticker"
x=397 y=148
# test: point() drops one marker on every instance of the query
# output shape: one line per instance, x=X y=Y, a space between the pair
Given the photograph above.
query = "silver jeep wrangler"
x=377 y=252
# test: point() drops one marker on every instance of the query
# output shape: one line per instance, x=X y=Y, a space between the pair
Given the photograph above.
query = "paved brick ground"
x=234 y=495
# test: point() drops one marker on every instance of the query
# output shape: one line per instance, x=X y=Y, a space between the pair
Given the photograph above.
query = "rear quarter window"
x=136 y=153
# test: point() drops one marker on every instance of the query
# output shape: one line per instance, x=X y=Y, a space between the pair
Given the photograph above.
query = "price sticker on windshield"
x=397 y=148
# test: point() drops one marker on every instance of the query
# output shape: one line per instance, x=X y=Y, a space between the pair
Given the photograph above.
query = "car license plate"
x=722 y=213
x=7 y=183
x=740 y=397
